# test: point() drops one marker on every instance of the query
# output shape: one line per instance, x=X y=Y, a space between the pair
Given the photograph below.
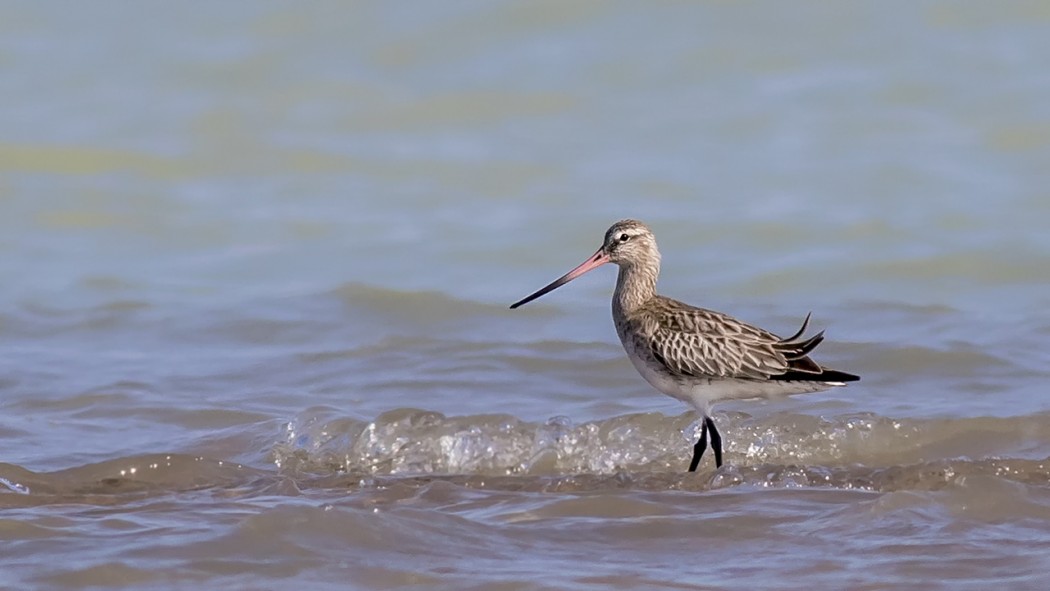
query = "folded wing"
x=702 y=343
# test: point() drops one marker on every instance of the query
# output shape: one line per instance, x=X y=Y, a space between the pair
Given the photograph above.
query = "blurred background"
x=250 y=231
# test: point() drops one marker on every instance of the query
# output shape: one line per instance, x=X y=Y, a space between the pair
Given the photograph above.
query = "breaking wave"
x=851 y=451
x=322 y=449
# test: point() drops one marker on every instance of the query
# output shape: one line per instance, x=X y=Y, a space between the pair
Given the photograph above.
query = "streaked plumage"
x=696 y=355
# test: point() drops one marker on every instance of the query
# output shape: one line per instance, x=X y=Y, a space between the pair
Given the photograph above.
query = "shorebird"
x=692 y=354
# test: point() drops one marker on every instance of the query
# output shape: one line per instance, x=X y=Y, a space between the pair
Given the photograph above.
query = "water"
x=256 y=260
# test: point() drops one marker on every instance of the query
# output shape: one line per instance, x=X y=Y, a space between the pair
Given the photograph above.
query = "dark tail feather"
x=798 y=350
x=828 y=375
x=807 y=346
x=801 y=331
x=800 y=367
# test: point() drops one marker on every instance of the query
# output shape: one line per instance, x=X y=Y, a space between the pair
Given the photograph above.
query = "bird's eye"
x=624 y=237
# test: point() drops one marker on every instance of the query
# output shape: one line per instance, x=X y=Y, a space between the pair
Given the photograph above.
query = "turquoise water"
x=256 y=258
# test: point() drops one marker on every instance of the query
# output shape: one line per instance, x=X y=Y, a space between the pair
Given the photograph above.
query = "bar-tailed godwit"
x=695 y=355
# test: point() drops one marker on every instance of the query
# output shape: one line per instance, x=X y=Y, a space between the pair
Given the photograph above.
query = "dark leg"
x=698 y=449
x=716 y=441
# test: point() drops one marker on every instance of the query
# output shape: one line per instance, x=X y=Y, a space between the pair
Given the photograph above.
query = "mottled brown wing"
x=696 y=342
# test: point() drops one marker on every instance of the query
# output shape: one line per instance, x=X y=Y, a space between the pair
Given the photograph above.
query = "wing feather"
x=696 y=342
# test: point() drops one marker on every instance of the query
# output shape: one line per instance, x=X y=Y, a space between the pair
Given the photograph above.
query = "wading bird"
x=695 y=355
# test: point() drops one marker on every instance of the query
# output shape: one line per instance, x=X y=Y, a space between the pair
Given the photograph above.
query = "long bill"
x=598 y=259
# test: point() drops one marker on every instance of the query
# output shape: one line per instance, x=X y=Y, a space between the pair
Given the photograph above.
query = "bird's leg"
x=701 y=445
x=716 y=441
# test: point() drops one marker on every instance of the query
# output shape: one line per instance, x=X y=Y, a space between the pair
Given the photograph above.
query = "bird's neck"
x=635 y=285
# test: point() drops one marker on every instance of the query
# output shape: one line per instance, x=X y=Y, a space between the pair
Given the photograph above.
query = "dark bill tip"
x=554 y=285
x=596 y=260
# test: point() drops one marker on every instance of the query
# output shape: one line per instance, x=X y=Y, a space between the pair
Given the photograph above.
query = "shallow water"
x=257 y=258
